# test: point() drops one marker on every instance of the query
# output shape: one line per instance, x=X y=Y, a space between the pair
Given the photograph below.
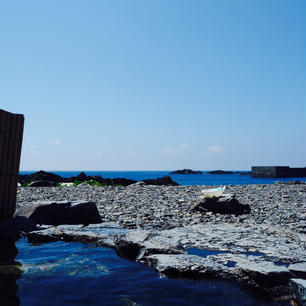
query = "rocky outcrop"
x=56 y=213
x=256 y=256
x=161 y=181
x=42 y=184
x=220 y=172
x=226 y=204
x=186 y=171
x=298 y=289
x=39 y=176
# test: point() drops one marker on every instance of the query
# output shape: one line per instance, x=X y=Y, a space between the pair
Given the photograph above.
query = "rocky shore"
x=165 y=207
x=157 y=225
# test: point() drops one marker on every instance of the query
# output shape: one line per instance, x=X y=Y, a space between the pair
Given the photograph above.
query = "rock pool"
x=61 y=273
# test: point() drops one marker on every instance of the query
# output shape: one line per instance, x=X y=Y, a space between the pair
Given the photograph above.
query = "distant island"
x=186 y=171
x=220 y=172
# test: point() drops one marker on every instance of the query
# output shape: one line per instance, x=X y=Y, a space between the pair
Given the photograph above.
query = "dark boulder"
x=42 y=184
x=220 y=172
x=165 y=181
x=56 y=213
x=186 y=171
x=226 y=204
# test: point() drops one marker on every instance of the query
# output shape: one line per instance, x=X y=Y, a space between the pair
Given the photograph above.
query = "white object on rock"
x=66 y=184
x=215 y=192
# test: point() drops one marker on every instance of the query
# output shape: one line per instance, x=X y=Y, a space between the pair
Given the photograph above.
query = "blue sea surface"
x=182 y=179
x=64 y=274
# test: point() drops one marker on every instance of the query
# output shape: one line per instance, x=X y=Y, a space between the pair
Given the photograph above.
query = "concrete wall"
x=277 y=171
x=11 y=132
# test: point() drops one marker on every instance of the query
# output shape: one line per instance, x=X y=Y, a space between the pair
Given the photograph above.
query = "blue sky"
x=156 y=85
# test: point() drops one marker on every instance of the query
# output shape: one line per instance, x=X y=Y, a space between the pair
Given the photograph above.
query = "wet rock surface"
x=154 y=225
x=298 y=288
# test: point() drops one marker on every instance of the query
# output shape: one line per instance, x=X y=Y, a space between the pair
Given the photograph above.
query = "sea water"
x=64 y=274
x=182 y=179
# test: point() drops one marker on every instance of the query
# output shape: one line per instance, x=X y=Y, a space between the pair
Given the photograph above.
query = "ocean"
x=182 y=179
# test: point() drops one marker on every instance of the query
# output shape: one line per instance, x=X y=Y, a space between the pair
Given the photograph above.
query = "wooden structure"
x=11 y=132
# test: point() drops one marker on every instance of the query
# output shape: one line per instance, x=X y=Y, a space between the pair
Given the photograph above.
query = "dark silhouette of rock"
x=42 y=184
x=186 y=171
x=56 y=213
x=165 y=181
x=220 y=172
x=226 y=204
x=244 y=173
x=39 y=176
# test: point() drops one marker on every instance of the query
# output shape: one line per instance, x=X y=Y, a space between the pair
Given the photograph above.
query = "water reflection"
x=10 y=272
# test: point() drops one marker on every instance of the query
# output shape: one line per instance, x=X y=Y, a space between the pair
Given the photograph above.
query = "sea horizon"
x=182 y=179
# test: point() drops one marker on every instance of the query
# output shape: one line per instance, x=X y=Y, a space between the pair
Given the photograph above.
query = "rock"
x=13 y=228
x=130 y=244
x=298 y=269
x=266 y=274
x=82 y=177
x=39 y=176
x=186 y=171
x=56 y=213
x=298 y=289
x=226 y=204
x=165 y=181
x=186 y=266
x=220 y=172
x=42 y=184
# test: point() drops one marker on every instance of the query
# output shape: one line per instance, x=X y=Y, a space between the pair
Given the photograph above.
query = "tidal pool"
x=78 y=274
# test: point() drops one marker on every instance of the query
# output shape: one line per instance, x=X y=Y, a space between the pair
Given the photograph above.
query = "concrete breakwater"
x=154 y=225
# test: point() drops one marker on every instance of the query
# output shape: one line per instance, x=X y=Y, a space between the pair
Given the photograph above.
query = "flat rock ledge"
x=261 y=256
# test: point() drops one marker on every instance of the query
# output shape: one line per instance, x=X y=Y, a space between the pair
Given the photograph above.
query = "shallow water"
x=64 y=274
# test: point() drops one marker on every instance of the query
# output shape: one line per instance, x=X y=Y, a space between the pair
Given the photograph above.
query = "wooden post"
x=11 y=132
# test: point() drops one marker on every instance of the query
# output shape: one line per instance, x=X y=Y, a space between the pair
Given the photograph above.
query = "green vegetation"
x=76 y=183
x=95 y=183
x=58 y=184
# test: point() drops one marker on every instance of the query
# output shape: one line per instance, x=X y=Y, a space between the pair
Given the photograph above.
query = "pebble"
x=165 y=207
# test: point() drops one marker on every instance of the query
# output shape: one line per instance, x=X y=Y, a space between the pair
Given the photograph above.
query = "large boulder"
x=225 y=204
x=56 y=213
x=298 y=289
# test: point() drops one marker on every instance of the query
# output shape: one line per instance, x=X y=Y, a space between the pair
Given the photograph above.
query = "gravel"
x=165 y=207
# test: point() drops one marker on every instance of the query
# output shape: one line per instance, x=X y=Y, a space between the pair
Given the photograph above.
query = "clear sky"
x=156 y=85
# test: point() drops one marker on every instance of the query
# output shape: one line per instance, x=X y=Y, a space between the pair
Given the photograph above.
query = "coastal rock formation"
x=220 y=172
x=56 y=213
x=42 y=184
x=226 y=204
x=161 y=181
x=39 y=176
x=186 y=171
x=257 y=256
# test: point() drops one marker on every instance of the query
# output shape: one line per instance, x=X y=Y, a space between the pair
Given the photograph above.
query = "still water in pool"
x=65 y=274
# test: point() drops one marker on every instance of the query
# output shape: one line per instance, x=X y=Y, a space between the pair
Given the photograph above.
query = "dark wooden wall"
x=11 y=132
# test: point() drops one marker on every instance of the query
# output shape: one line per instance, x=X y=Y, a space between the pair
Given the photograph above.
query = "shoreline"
x=154 y=225
x=166 y=207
